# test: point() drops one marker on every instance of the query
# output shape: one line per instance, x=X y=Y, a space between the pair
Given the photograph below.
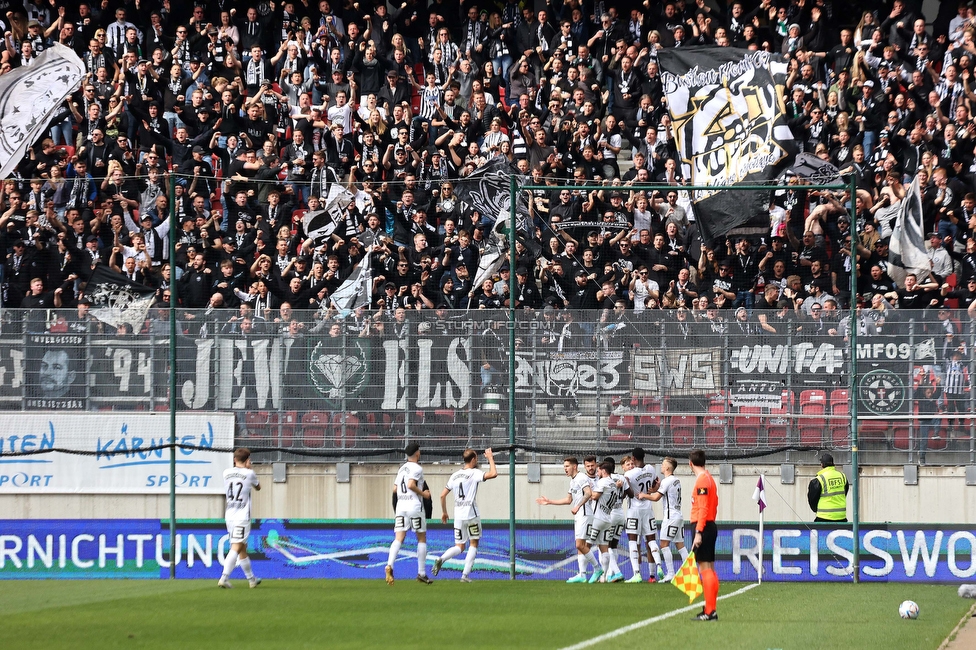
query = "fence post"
x=512 y=292
x=172 y=378
x=852 y=392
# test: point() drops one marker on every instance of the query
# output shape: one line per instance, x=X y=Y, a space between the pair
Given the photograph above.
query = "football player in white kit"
x=672 y=523
x=640 y=517
x=580 y=486
x=238 y=482
x=608 y=520
x=467 y=518
x=408 y=488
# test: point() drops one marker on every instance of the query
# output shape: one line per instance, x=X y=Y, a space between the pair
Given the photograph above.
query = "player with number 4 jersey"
x=239 y=480
x=467 y=518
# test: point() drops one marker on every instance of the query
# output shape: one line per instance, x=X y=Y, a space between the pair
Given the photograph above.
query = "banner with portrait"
x=56 y=371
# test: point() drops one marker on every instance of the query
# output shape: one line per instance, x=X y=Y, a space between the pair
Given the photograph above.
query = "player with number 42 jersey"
x=239 y=480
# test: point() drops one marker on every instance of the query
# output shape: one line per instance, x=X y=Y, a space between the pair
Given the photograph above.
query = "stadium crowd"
x=253 y=112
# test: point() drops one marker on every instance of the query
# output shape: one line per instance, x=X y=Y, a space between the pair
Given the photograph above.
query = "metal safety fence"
x=308 y=385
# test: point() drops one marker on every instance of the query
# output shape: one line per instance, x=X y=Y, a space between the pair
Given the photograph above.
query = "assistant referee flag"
x=687 y=579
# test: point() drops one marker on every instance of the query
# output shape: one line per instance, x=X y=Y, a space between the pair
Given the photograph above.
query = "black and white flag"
x=907 y=251
x=321 y=224
x=730 y=128
x=496 y=249
x=488 y=191
x=356 y=290
x=815 y=170
x=116 y=299
x=30 y=96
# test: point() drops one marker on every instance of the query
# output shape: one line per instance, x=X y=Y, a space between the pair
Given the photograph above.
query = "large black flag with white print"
x=730 y=128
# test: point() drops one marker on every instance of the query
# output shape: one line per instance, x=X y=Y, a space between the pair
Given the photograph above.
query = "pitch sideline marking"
x=947 y=642
x=650 y=621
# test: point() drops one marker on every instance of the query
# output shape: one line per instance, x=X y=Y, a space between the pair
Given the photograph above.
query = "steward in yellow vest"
x=827 y=494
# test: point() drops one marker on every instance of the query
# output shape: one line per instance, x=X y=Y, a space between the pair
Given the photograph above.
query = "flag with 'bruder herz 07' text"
x=729 y=125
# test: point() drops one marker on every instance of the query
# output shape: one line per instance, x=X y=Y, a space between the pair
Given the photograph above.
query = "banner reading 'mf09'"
x=281 y=548
x=121 y=461
x=730 y=128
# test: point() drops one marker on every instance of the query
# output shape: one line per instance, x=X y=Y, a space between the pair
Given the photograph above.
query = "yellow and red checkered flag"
x=687 y=579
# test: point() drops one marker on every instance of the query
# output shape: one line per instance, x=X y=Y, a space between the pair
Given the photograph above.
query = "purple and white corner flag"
x=760 y=494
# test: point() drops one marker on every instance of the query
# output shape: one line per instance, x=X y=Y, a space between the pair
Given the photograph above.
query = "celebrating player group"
x=596 y=498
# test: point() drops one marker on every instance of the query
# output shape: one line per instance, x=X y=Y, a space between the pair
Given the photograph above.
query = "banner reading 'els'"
x=730 y=128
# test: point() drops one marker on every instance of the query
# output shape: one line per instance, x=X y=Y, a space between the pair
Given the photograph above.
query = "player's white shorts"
x=673 y=530
x=410 y=520
x=238 y=530
x=467 y=530
x=641 y=523
x=605 y=532
x=583 y=524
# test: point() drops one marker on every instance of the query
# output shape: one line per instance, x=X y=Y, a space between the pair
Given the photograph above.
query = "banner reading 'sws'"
x=730 y=128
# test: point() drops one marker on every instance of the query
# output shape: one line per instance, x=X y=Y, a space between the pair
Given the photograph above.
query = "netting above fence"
x=736 y=384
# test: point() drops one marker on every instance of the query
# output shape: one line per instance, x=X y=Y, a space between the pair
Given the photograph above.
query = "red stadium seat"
x=778 y=424
x=714 y=424
x=683 y=430
x=840 y=411
x=257 y=425
x=812 y=424
x=747 y=424
x=345 y=437
x=872 y=430
x=286 y=422
x=651 y=419
x=621 y=425
x=314 y=427
x=901 y=437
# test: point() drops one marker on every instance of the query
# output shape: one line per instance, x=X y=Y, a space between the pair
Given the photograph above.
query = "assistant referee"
x=704 y=508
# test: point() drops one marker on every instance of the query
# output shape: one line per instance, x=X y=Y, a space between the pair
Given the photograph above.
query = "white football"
x=908 y=609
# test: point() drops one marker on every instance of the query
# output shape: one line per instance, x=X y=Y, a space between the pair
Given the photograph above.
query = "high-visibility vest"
x=833 y=500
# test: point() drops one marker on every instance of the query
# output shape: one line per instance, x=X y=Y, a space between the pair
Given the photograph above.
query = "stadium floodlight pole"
x=852 y=391
x=512 y=282
x=172 y=377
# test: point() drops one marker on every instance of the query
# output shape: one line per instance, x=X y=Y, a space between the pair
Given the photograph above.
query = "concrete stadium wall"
x=311 y=491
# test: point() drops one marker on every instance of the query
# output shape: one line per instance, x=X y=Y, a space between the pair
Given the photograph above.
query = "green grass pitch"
x=489 y=614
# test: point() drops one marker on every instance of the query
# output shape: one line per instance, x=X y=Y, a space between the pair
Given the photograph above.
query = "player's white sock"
x=684 y=553
x=668 y=561
x=656 y=555
x=454 y=551
x=394 y=549
x=245 y=564
x=422 y=558
x=634 y=549
x=655 y=552
x=581 y=562
x=230 y=562
x=614 y=567
x=605 y=561
x=469 y=560
x=591 y=558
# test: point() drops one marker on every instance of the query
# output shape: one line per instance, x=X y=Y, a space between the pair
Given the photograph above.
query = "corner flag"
x=687 y=579
x=760 y=497
x=760 y=494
